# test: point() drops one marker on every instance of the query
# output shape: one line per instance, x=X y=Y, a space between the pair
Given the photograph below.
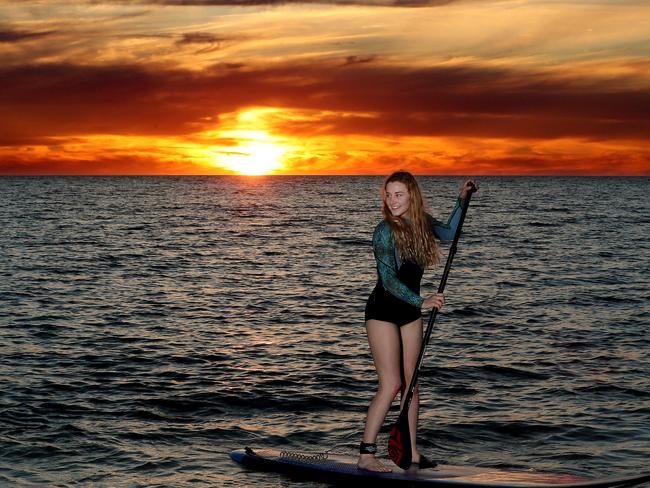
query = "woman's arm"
x=446 y=232
x=384 y=249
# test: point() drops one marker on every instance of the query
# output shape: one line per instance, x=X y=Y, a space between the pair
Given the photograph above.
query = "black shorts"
x=383 y=305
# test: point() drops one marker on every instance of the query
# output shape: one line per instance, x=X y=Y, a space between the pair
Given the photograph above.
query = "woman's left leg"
x=411 y=334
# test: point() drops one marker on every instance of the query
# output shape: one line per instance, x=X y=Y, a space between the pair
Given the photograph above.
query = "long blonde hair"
x=415 y=240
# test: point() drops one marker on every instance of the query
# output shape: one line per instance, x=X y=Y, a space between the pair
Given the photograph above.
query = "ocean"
x=150 y=325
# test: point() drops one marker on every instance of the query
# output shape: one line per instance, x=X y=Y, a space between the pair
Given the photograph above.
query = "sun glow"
x=256 y=154
x=254 y=150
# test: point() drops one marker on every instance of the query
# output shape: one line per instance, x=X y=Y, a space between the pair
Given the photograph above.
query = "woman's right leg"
x=384 y=339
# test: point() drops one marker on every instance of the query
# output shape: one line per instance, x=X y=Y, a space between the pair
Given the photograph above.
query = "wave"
x=224 y=314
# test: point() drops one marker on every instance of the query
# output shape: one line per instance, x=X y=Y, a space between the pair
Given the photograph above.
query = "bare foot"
x=371 y=463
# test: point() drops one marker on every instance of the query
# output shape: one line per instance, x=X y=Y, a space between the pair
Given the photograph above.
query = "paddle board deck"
x=341 y=467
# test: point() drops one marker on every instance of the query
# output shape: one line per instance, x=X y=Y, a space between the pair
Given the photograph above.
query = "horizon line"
x=203 y=175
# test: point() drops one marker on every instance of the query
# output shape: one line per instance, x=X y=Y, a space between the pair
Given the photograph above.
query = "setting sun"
x=253 y=158
x=250 y=147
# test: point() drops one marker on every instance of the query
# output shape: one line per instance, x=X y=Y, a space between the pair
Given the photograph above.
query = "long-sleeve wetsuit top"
x=388 y=260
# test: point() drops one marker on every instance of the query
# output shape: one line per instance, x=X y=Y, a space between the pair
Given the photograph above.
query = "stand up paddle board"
x=343 y=468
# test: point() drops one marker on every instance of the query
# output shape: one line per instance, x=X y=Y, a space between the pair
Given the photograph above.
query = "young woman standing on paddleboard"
x=404 y=243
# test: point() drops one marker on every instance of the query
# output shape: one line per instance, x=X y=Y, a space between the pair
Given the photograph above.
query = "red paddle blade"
x=399 y=443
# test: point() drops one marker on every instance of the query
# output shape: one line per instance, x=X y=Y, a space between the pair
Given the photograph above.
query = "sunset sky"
x=468 y=87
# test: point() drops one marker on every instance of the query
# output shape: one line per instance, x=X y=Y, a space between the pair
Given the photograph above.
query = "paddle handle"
x=434 y=312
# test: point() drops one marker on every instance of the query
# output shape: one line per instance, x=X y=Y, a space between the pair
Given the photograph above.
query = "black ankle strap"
x=367 y=448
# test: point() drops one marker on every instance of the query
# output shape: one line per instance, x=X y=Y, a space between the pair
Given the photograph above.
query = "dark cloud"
x=8 y=35
x=199 y=38
x=358 y=59
x=206 y=41
x=64 y=100
x=7 y=139
x=101 y=165
x=605 y=164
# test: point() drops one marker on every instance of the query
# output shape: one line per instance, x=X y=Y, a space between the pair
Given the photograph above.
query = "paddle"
x=399 y=443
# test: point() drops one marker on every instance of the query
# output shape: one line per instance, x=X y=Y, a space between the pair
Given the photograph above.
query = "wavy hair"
x=414 y=237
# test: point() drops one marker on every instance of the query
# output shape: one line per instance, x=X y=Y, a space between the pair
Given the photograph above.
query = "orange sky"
x=475 y=87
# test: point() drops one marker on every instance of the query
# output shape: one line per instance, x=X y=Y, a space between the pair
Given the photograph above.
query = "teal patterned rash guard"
x=388 y=260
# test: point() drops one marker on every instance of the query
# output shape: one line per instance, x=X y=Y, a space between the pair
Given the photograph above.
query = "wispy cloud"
x=251 y=3
x=8 y=35
x=350 y=60
x=207 y=41
x=199 y=38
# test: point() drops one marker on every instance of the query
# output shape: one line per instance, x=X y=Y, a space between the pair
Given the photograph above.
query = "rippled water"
x=150 y=325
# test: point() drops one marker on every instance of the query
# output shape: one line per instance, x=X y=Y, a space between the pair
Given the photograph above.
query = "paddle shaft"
x=434 y=312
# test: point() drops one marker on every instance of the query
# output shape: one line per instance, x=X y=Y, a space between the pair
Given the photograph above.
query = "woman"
x=404 y=243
